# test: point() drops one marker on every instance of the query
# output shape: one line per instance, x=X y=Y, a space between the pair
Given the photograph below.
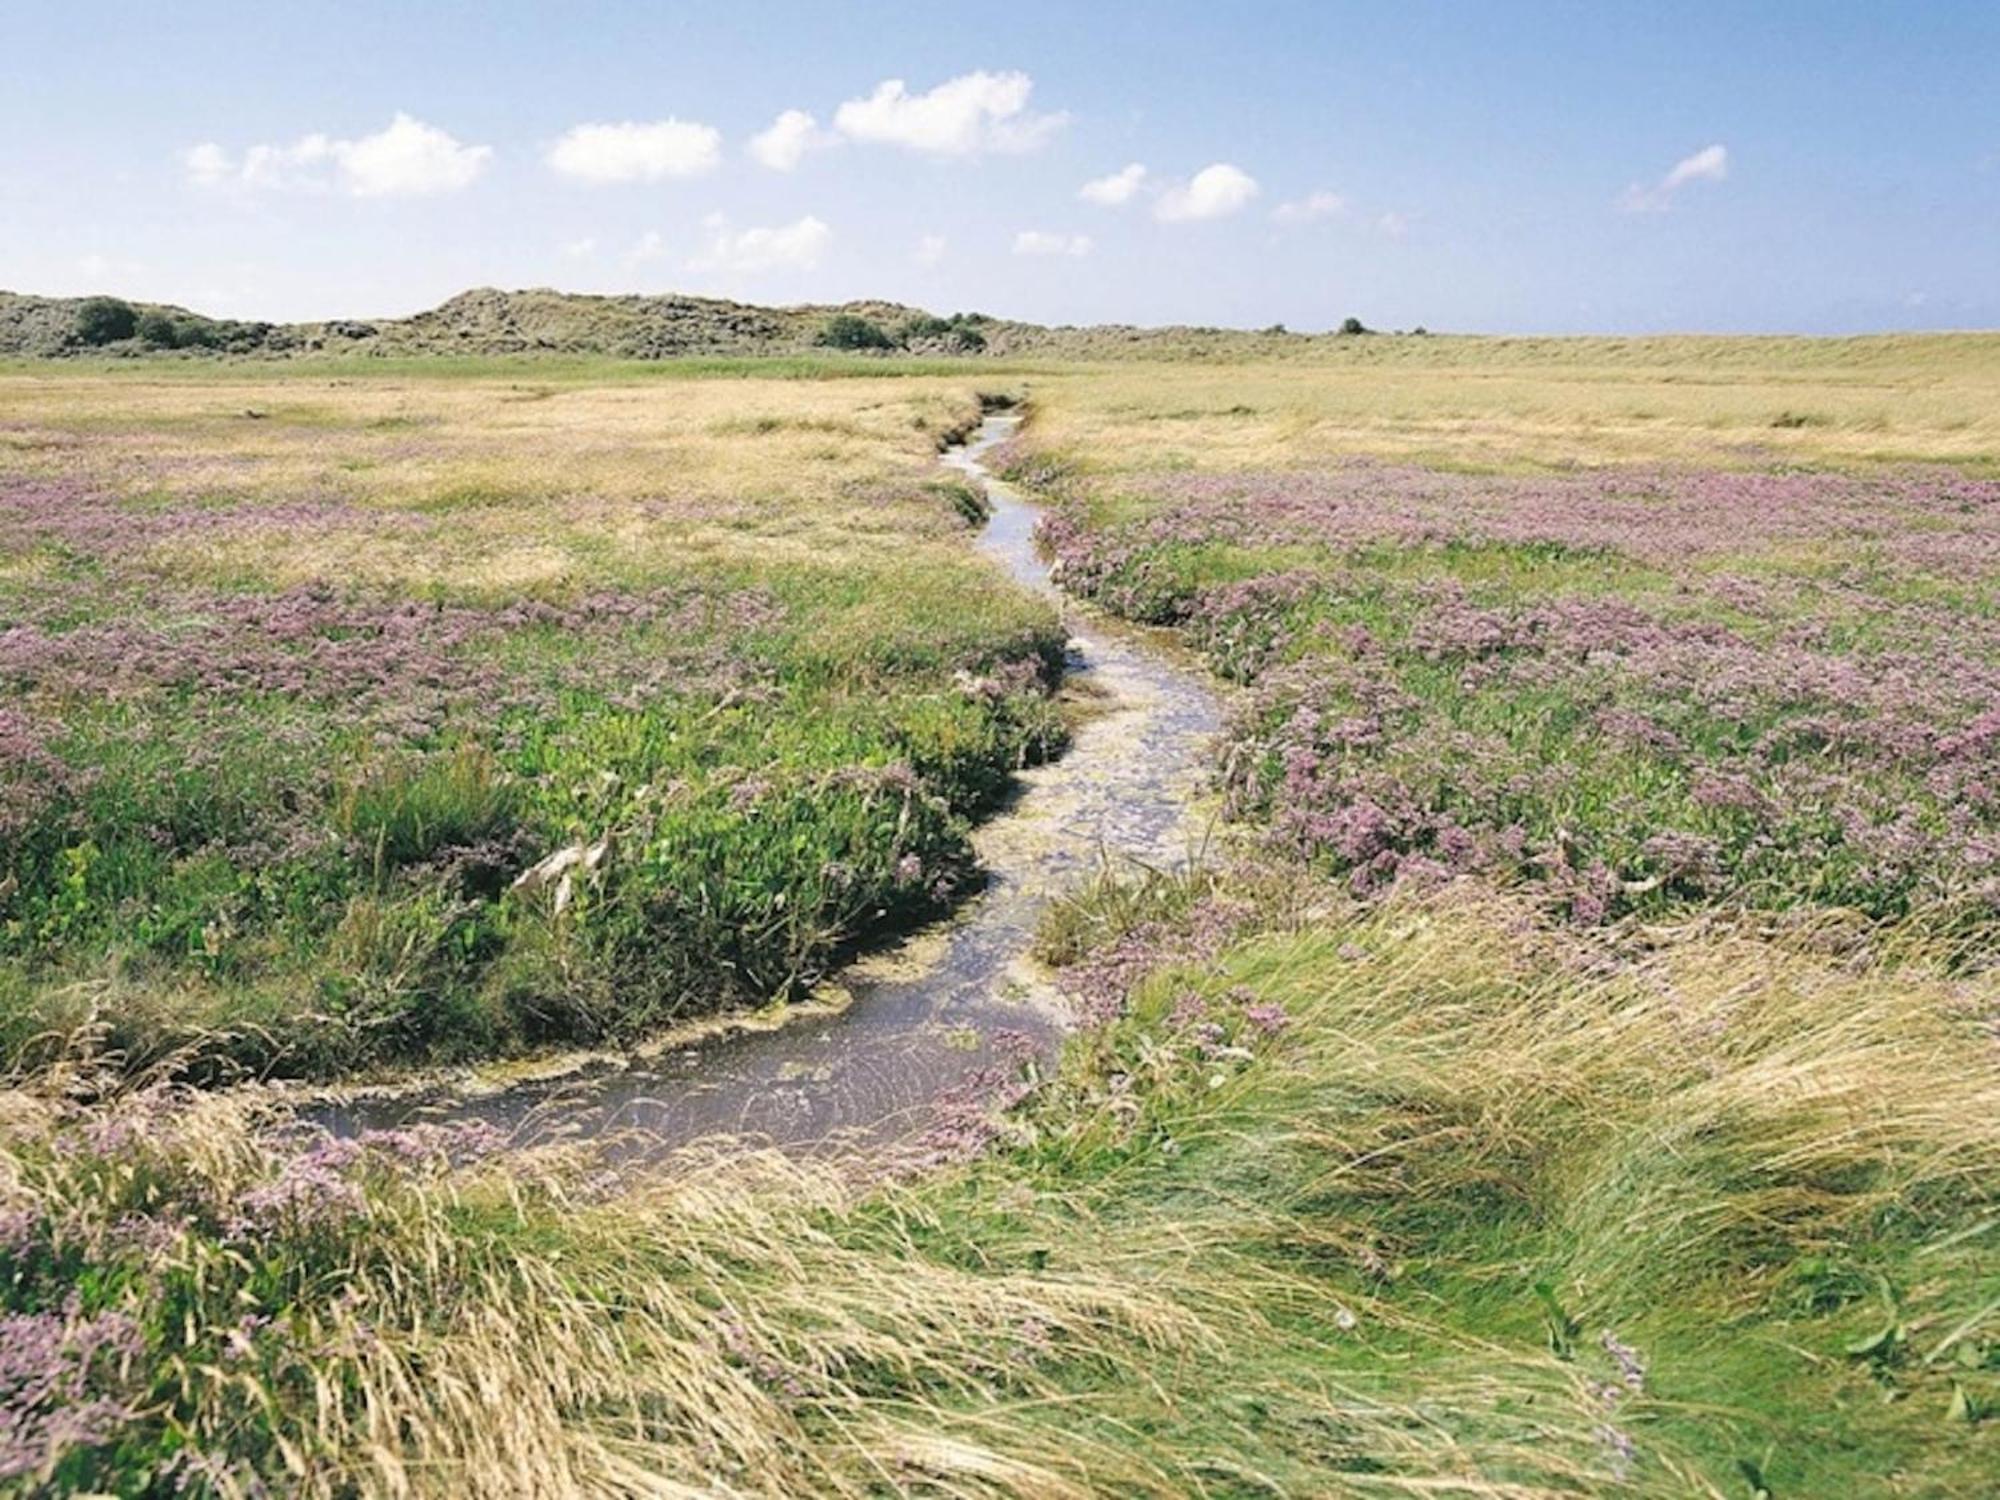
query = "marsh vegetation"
x=1570 y=1069
x=304 y=679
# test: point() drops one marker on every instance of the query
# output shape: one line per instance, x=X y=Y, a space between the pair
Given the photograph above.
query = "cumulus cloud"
x=964 y=116
x=1042 y=242
x=636 y=151
x=1118 y=188
x=409 y=159
x=1710 y=164
x=930 y=250
x=208 y=165
x=405 y=159
x=1214 y=192
x=783 y=145
x=795 y=246
x=1309 y=209
x=1393 y=224
x=580 y=249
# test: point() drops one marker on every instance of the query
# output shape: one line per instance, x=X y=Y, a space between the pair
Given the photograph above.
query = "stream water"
x=926 y=1019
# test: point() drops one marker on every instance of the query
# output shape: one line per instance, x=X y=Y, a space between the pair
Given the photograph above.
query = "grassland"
x=1450 y=1133
x=303 y=676
x=1511 y=405
x=1730 y=663
x=1345 y=1201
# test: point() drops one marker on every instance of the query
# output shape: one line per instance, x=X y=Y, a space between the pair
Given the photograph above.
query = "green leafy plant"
x=158 y=330
x=849 y=331
x=105 y=320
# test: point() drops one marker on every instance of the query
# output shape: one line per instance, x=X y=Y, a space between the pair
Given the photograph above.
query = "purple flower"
x=64 y=1383
x=312 y=1189
x=1268 y=1018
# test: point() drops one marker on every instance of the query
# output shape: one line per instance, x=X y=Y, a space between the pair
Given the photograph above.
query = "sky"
x=1814 y=167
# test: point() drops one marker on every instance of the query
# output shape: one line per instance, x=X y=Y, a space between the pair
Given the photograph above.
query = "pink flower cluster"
x=1934 y=518
x=1634 y=687
x=66 y=1381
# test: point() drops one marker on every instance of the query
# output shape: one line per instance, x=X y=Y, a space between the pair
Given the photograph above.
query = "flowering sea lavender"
x=1100 y=982
x=1923 y=517
x=65 y=1383
x=1609 y=701
x=20 y=1226
x=313 y=1188
x=450 y=1144
x=1269 y=1019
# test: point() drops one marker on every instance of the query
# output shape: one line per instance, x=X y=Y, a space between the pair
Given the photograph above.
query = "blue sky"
x=1817 y=167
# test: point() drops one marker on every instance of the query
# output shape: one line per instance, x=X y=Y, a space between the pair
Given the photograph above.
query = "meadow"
x=1726 y=664
x=304 y=676
x=1570 y=1070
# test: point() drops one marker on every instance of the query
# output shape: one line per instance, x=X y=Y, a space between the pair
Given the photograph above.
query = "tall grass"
x=1396 y=1201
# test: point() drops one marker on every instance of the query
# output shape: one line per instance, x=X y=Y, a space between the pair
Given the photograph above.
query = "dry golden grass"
x=516 y=486
x=1322 y=1287
x=1521 y=403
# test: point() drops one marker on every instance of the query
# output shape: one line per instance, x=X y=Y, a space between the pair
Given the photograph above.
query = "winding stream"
x=924 y=1020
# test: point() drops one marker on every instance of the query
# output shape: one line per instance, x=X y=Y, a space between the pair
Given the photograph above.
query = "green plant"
x=848 y=331
x=411 y=810
x=105 y=320
x=199 y=333
x=960 y=330
x=158 y=330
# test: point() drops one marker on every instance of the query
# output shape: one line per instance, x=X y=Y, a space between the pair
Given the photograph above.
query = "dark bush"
x=105 y=320
x=1352 y=326
x=959 y=329
x=235 y=335
x=846 y=331
x=195 y=333
x=158 y=330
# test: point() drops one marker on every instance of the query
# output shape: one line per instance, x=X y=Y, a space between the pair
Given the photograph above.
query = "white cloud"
x=1119 y=188
x=307 y=163
x=1393 y=224
x=208 y=165
x=634 y=151
x=795 y=246
x=1710 y=164
x=961 y=117
x=930 y=250
x=1309 y=209
x=405 y=159
x=1041 y=242
x=409 y=159
x=784 y=144
x=1214 y=192
x=649 y=246
x=580 y=249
